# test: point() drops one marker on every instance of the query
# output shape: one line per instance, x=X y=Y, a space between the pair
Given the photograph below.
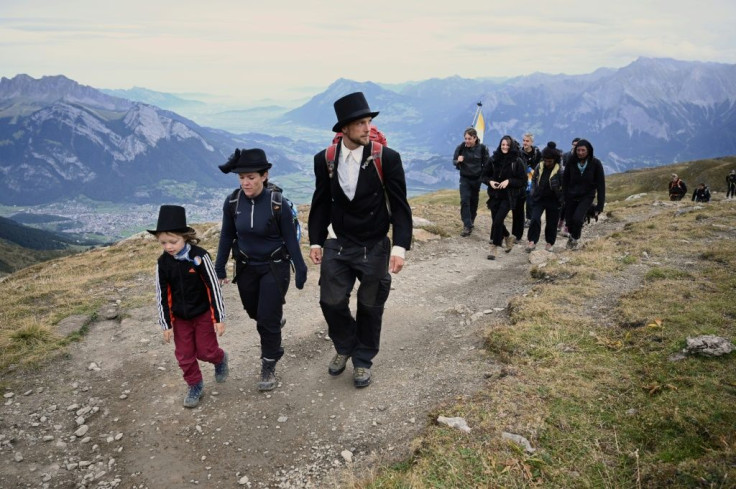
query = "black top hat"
x=171 y=219
x=246 y=161
x=351 y=108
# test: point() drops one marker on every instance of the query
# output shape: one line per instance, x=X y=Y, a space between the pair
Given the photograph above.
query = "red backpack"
x=378 y=141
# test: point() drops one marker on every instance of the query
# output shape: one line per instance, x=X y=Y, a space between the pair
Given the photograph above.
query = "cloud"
x=260 y=49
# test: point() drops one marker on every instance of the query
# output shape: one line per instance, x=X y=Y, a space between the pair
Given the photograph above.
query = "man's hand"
x=395 y=264
x=220 y=329
x=315 y=254
x=168 y=333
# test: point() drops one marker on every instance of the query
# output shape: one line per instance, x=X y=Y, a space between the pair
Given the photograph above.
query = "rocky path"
x=109 y=413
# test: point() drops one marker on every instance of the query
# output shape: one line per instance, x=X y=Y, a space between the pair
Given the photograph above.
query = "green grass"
x=595 y=390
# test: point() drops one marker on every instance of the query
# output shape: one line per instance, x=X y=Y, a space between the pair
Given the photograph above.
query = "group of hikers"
x=567 y=188
x=677 y=189
x=360 y=191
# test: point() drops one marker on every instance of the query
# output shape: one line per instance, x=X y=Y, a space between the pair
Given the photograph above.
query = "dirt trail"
x=138 y=434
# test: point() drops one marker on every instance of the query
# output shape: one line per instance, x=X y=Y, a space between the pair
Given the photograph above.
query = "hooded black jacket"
x=589 y=183
x=504 y=166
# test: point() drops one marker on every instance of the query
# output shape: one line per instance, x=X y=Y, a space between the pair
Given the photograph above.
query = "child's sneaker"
x=194 y=393
x=222 y=370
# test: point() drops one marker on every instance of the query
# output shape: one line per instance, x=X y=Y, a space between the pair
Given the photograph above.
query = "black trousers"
x=575 y=210
x=499 y=210
x=469 y=190
x=517 y=216
x=261 y=288
x=357 y=336
x=551 y=206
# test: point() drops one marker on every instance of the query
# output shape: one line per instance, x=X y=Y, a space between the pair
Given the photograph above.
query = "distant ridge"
x=60 y=140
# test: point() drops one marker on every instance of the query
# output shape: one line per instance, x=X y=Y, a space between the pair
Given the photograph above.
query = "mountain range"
x=60 y=139
x=651 y=112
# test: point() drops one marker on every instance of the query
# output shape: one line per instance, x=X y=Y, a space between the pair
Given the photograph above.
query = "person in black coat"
x=360 y=199
x=506 y=178
x=701 y=193
x=265 y=247
x=582 y=181
x=731 y=184
x=546 y=197
x=470 y=157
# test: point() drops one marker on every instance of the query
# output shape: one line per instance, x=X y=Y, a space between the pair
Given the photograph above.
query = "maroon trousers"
x=195 y=339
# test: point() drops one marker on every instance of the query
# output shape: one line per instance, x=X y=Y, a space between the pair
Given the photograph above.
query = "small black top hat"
x=351 y=108
x=246 y=161
x=171 y=219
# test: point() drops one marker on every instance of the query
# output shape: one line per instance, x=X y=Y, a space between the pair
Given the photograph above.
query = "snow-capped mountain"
x=60 y=139
x=651 y=112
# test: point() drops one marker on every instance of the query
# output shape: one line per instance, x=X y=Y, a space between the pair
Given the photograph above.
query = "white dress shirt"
x=349 y=169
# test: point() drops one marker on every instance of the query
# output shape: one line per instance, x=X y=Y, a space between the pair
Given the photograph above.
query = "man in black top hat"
x=352 y=197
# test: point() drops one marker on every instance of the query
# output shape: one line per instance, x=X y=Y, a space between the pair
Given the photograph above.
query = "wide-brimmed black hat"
x=351 y=108
x=171 y=219
x=246 y=161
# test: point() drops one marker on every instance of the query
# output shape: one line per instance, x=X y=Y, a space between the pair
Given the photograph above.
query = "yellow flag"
x=480 y=125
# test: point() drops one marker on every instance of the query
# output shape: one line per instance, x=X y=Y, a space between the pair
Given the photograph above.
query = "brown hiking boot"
x=361 y=377
x=508 y=242
x=494 y=251
x=337 y=365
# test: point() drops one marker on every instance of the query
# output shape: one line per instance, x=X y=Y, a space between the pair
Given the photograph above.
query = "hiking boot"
x=268 y=375
x=565 y=233
x=361 y=377
x=572 y=243
x=530 y=246
x=492 y=254
x=527 y=223
x=337 y=365
x=222 y=370
x=508 y=242
x=194 y=394
x=548 y=247
x=466 y=232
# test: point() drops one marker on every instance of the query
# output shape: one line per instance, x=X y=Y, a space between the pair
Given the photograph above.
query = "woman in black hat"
x=264 y=244
x=190 y=305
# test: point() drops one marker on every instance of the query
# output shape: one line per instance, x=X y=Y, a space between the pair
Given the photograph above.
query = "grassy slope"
x=589 y=380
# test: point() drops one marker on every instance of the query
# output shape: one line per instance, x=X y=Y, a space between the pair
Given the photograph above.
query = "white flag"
x=480 y=124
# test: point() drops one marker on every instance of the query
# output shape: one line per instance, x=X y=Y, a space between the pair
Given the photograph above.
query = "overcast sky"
x=258 y=49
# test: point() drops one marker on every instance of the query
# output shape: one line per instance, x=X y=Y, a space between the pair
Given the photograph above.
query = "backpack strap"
x=277 y=201
x=233 y=201
x=330 y=154
x=377 y=154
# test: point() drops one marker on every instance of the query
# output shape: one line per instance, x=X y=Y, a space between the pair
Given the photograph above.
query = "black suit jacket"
x=365 y=220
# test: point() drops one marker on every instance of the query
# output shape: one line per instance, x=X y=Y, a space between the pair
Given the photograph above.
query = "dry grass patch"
x=595 y=391
x=38 y=297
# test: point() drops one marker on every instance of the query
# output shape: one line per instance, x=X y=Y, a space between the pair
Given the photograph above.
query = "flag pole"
x=477 y=111
x=479 y=122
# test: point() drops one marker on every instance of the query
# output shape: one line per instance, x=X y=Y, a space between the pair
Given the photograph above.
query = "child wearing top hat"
x=190 y=304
